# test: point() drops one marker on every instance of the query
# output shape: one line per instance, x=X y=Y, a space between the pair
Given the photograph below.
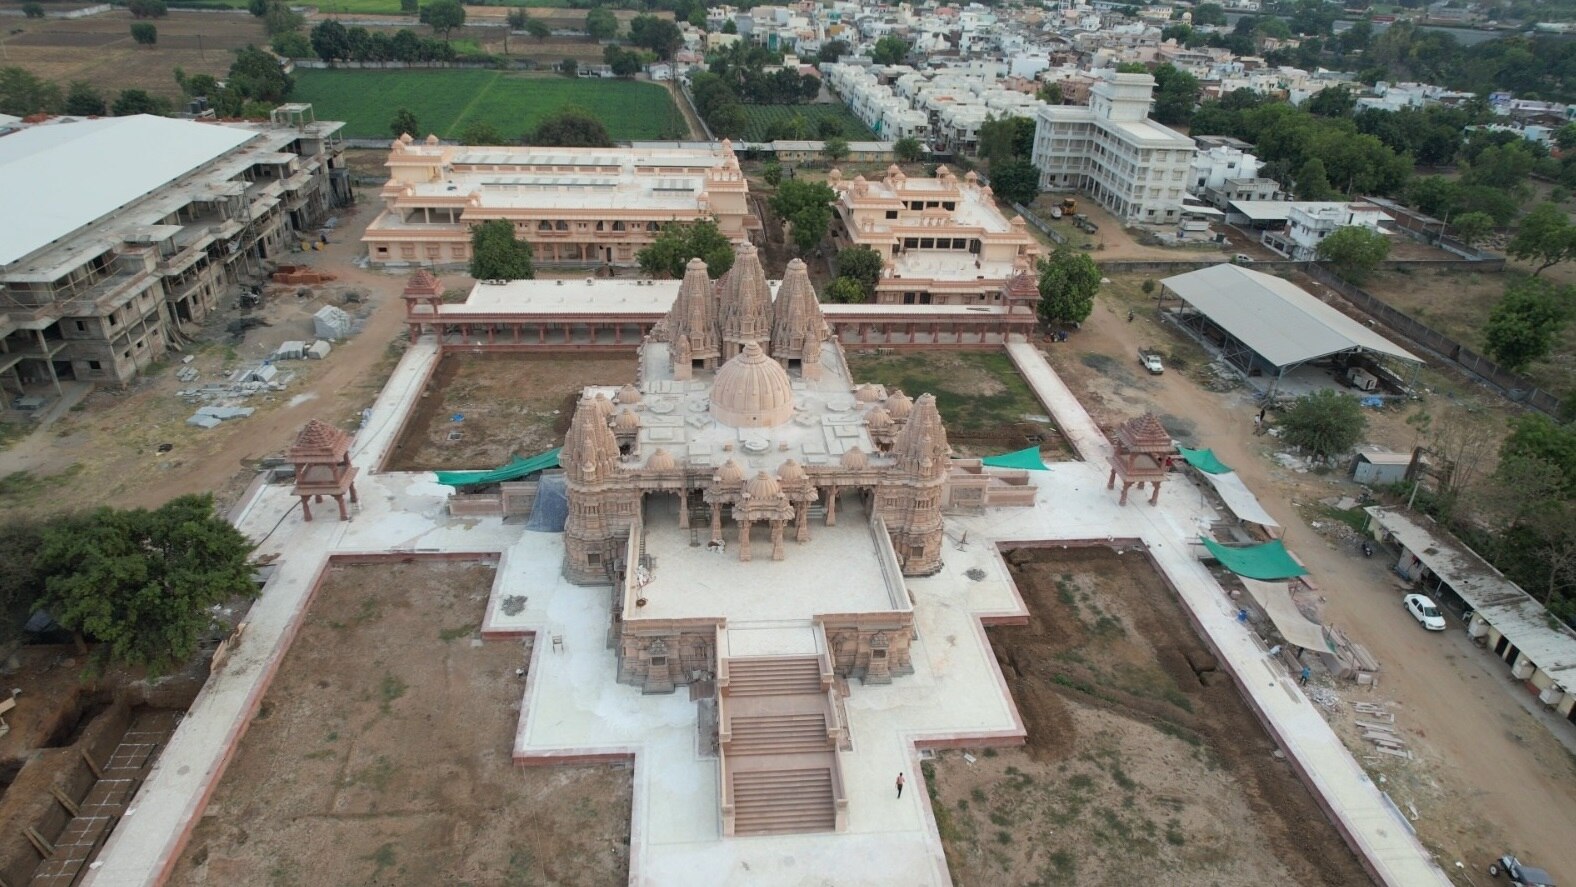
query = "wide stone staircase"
x=779 y=732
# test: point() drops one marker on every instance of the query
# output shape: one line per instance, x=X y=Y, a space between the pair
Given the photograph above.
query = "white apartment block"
x=123 y=231
x=1309 y=222
x=944 y=108
x=1113 y=152
x=1211 y=169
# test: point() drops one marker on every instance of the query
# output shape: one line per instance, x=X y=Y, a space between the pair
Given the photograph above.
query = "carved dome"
x=763 y=486
x=791 y=472
x=626 y=422
x=879 y=419
x=867 y=393
x=661 y=460
x=628 y=395
x=730 y=473
x=752 y=391
x=855 y=458
x=898 y=406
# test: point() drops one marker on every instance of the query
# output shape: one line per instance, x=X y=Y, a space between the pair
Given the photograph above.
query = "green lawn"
x=760 y=117
x=445 y=100
x=976 y=391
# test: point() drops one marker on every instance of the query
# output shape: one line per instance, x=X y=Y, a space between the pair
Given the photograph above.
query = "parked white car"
x=1422 y=608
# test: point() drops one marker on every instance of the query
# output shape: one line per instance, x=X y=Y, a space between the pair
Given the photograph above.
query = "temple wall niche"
x=870 y=648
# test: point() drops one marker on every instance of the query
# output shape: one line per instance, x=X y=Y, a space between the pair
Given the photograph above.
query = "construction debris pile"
x=220 y=399
x=1376 y=724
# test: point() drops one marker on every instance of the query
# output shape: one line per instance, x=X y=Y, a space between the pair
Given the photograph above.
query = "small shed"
x=1380 y=469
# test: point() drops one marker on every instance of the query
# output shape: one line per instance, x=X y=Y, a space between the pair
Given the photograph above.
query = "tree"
x=808 y=207
x=480 y=132
x=255 y=74
x=85 y=101
x=889 y=50
x=624 y=62
x=23 y=93
x=1313 y=183
x=33 y=10
x=138 y=101
x=772 y=173
x=1176 y=95
x=846 y=291
x=601 y=22
x=1333 y=101
x=836 y=148
x=862 y=265
x=258 y=8
x=144 y=583
x=330 y=40
x=1209 y=14
x=569 y=67
x=405 y=123
x=1565 y=137
x=831 y=51
x=293 y=45
x=571 y=127
x=145 y=33
x=538 y=28
x=1005 y=139
x=1069 y=280
x=1354 y=252
x=1017 y=181
x=443 y=16
x=497 y=254
x=659 y=35
x=1536 y=436
x=1472 y=227
x=147 y=8
x=281 y=19
x=908 y=149
x=678 y=242
x=1325 y=423
x=1546 y=237
x=1525 y=324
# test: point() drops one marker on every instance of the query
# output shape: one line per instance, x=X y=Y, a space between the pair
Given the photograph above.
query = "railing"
x=891 y=571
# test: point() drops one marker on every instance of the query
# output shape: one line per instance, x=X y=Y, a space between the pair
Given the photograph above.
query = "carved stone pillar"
x=716 y=523
x=1126 y=485
x=744 y=539
x=831 y=506
x=802 y=522
x=1155 y=498
x=777 y=540
x=1110 y=482
x=684 y=508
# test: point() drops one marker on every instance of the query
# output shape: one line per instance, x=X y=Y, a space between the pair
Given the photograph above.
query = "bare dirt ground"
x=99 y=49
x=510 y=403
x=381 y=754
x=105 y=452
x=1143 y=763
x=1487 y=776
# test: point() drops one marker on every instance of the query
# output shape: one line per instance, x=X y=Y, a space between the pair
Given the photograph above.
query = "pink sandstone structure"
x=321 y=456
x=1143 y=452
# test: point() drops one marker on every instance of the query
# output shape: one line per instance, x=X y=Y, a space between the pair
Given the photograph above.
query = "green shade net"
x=1204 y=460
x=1026 y=458
x=517 y=468
x=1266 y=562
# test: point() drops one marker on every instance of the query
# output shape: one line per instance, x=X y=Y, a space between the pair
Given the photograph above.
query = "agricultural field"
x=379 y=7
x=761 y=117
x=444 y=101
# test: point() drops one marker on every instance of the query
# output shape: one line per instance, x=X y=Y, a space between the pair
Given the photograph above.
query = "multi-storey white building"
x=1309 y=222
x=944 y=107
x=1112 y=151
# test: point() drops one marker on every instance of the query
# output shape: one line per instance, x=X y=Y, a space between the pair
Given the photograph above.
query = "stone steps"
x=777 y=734
x=773 y=677
x=779 y=802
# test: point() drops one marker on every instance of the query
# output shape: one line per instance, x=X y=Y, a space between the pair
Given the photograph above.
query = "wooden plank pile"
x=1377 y=725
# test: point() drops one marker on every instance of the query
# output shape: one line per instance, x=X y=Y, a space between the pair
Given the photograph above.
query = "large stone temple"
x=756 y=512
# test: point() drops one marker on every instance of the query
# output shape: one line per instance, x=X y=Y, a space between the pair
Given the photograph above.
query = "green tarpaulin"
x=1267 y=562
x=1204 y=460
x=1026 y=458
x=515 y=470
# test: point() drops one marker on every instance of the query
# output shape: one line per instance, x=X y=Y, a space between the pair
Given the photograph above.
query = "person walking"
x=1129 y=315
x=900 y=785
x=1306 y=673
x=1258 y=424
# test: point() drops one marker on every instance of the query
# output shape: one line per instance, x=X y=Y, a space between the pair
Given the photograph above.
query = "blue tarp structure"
x=517 y=468
x=1028 y=458
x=1204 y=460
x=1266 y=562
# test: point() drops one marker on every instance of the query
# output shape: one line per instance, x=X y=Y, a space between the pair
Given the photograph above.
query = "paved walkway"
x=573 y=709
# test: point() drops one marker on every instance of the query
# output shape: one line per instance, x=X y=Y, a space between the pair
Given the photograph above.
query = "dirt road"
x=106 y=452
x=1488 y=777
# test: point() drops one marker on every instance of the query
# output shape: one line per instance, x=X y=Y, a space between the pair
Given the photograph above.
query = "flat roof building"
x=576 y=206
x=122 y=229
x=1113 y=152
x=942 y=239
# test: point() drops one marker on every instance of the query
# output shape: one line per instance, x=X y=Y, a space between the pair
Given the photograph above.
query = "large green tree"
x=1525 y=324
x=330 y=40
x=480 y=132
x=1354 y=252
x=908 y=149
x=22 y=93
x=405 y=123
x=84 y=101
x=1325 y=423
x=143 y=583
x=601 y=24
x=808 y=207
x=255 y=74
x=1546 y=237
x=862 y=265
x=443 y=16
x=678 y=242
x=1176 y=94
x=1017 y=181
x=497 y=254
x=571 y=127
x=659 y=35
x=889 y=50
x=1069 y=280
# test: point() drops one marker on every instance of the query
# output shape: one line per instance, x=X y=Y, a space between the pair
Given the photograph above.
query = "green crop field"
x=759 y=117
x=378 y=7
x=445 y=100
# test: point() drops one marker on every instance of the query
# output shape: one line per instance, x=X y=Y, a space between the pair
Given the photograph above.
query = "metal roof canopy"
x=1512 y=612
x=60 y=177
x=1278 y=320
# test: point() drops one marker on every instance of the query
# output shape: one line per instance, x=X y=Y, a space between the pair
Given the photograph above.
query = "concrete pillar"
x=306 y=508
x=1155 y=498
x=1110 y=482
x=684 y=509
x=1126 y=485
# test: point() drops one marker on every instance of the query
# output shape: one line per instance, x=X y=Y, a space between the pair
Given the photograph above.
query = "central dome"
x=752 y=391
